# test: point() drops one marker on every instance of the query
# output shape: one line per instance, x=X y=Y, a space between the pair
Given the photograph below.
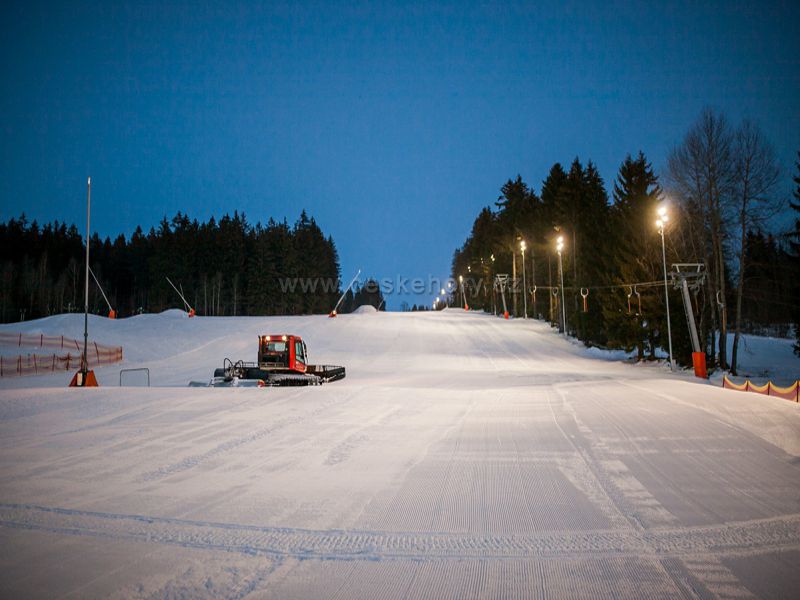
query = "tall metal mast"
x=85 y=363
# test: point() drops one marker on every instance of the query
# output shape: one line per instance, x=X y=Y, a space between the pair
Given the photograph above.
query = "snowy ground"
x=463 y=456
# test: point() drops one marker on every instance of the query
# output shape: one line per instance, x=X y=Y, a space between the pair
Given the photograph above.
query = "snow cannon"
x=282 y=361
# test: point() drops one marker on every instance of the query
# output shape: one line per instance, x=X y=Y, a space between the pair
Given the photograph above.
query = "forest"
x=720 y=192
x=226 y=267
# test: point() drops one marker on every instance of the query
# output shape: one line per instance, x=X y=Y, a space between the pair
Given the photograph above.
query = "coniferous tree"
x=593 y=226
x=226 y=267
x=553 y=191
x=634 y=257
x=369 y=294
x=473 y=260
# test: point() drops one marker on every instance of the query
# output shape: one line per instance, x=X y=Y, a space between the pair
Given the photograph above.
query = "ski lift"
x=585 y=295
x=686 y=276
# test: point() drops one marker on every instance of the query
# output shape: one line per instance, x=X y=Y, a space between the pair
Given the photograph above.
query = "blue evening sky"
x=391 y=123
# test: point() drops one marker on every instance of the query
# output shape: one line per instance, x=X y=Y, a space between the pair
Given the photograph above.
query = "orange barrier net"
x=36 y=364
x=727 y=383
x=791 y=392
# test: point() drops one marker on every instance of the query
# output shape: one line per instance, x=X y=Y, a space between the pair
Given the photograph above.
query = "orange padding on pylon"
x=791 y=392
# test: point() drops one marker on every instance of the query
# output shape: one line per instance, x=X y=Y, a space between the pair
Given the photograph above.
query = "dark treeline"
x=225 y=267
x=369 y=294
x=611 y=243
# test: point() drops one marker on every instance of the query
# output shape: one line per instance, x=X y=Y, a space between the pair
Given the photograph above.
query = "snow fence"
x=768 y=389
x=37 y=364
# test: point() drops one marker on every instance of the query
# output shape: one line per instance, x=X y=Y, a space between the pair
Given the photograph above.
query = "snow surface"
x=763 y=359
x=463 y=456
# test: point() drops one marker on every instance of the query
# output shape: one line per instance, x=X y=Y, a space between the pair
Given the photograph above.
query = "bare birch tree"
x=756 y=175
x=701 y=170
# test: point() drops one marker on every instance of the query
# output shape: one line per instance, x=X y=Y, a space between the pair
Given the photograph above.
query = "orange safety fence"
x=791 y=392
x=40 y=341
x=787 y=393
x=35 y=364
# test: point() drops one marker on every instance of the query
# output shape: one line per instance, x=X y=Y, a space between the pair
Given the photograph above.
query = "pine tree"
x=215 y=263
x=473 y=260
x=593 y=227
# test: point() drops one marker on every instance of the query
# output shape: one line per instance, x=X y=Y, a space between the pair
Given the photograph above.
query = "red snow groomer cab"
x=282 y=360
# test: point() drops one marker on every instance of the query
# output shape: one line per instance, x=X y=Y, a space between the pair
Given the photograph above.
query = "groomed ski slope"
x=463 y=456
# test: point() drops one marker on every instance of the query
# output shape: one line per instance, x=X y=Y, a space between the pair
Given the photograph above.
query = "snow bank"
x=365 y=309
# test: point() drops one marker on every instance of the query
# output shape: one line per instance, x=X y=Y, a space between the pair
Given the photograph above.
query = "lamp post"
x=524 y=285
x=533 y=282
x=559 y=248
x=494 y=298
x=463 y=296
x=661 y=223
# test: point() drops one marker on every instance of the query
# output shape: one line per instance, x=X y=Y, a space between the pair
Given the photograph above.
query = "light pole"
x=559 y=248
x=661 y=223
x=524 y=285
x=494 y=298
x=463 y=296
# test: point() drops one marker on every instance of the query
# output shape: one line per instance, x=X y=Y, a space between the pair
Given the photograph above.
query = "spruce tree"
x=635 y=257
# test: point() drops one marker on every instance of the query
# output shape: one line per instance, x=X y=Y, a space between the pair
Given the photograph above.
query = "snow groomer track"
x=463 y=456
